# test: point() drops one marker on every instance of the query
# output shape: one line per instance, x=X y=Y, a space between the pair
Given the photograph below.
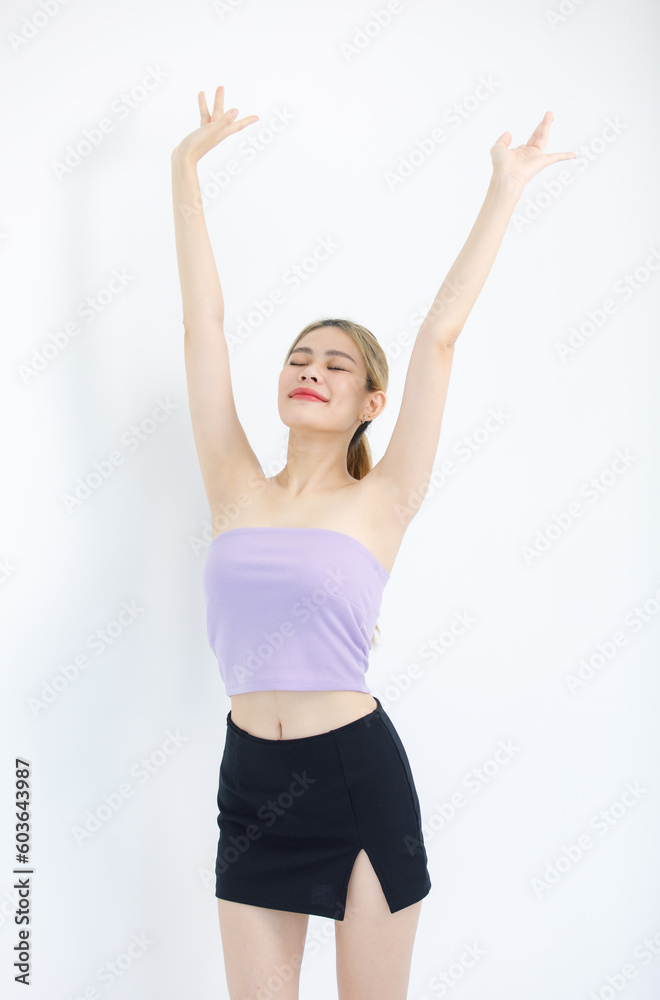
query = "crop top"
x=291 y=609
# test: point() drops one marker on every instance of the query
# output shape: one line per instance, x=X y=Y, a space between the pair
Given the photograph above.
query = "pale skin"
x=314 y=489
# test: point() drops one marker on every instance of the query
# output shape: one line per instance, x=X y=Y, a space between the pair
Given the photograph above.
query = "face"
x=328 y=362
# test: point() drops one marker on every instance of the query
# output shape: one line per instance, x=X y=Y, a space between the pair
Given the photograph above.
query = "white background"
x=356 y=111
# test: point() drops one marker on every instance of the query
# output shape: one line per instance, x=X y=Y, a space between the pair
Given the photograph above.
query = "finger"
x=237 y=126
x=539 y=136
x=203 y=109
x=556 y=157
x=246 y=121
x=504 y=139
x=218 y=103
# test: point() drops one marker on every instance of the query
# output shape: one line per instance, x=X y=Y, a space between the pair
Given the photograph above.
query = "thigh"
x=374 y=945
x=262 y=950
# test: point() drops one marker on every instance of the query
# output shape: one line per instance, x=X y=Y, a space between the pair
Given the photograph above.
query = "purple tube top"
x=291 y=609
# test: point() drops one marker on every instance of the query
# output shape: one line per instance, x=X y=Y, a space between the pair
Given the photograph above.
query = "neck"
x=297 y=482
x=314 y=464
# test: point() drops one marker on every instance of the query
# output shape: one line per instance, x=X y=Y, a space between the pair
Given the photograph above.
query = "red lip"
x=308 y=392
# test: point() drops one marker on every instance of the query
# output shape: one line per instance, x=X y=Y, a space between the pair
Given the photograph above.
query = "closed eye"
x=333 y=368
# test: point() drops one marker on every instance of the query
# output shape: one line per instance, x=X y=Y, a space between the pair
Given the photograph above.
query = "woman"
x=318 y=811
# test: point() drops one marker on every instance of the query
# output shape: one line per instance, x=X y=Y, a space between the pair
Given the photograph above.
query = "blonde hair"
x=359 y=459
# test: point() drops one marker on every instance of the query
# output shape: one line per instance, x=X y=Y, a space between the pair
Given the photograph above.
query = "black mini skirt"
x=294 y=814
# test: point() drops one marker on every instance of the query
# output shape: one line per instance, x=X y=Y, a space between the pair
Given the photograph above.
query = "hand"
x=214 y=127
x=523 y=162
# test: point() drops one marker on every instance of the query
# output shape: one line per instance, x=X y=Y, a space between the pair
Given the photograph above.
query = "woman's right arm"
x=225 y=456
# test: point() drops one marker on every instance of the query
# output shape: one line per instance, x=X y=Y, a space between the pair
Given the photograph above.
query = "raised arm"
x=224 y=453
x=405 y=469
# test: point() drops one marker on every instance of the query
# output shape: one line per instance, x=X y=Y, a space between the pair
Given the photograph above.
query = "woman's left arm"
x=512 y=169
x=404 y=472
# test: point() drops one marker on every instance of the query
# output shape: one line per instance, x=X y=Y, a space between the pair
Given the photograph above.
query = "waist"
x=285 y=715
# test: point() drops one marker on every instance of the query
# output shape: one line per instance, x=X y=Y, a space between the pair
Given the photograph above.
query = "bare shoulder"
x=364 y=509
x=381 y=520
x=382 y=495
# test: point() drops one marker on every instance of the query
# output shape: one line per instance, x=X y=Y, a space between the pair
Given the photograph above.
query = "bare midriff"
x=290 y=715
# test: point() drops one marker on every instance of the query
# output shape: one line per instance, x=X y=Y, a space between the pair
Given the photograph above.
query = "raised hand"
x=523 y=162
x=213 y=129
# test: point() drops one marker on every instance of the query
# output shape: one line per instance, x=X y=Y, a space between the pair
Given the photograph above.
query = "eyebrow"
x=308 y=350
